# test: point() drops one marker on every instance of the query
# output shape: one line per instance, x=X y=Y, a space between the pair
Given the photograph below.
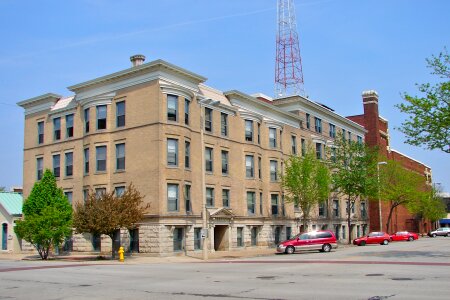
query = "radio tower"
x=288 y=68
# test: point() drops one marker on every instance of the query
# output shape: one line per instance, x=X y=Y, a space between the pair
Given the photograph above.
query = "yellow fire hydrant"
x=121 y=259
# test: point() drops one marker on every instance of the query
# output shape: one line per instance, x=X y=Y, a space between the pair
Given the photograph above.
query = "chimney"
x=372 y=117
x=137 y=59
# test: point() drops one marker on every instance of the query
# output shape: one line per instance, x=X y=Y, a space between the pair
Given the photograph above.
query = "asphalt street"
x=402 y=270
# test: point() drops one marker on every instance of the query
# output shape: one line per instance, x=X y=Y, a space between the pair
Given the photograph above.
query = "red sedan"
x=404 y=236
x=381 y=238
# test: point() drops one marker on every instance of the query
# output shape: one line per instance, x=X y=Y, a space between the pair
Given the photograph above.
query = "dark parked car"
x=323 y=241
x=443 y=231
x=404 y=236
x=381 y=238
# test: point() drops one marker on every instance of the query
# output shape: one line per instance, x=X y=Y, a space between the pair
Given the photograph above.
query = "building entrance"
x=221 y=238
x=4 y=236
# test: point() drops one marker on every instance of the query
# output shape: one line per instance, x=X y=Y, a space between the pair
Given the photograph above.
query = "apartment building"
x=184 y=145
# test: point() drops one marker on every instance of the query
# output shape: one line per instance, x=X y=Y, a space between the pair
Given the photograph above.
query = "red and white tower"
x=288 y=68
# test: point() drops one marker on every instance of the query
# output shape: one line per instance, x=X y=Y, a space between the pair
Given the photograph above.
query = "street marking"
x=350 y=262
x=45 y=267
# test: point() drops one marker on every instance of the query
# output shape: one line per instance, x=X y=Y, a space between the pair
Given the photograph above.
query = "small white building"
x=10 y=211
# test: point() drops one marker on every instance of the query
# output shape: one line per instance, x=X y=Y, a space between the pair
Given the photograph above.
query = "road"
x=402 y=270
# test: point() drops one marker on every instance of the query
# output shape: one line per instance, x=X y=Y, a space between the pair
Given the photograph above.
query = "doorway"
x=221 y=237
x=134 y=240
x=4 y=236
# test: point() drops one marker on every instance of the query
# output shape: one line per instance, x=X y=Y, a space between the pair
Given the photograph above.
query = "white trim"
x=105 y=99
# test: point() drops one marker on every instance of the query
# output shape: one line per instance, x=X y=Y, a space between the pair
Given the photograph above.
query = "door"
x=4 y=236
x=134 y=240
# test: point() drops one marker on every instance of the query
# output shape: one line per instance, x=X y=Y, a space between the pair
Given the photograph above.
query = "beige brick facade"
x=168 y=230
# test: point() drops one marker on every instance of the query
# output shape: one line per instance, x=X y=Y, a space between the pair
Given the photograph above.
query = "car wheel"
x=362 y=243
x=326 y=248
x=434 y=234
x=410 y=239
x=448 y=234
x=289 y=250
x=385 y=242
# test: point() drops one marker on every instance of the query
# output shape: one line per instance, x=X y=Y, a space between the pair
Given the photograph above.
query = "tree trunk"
x=349 y=221
x=391 y=210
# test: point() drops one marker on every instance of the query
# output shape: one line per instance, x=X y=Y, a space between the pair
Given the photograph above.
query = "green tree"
x=108 y=213
x=399 y=186
x=306 y=181
x=428 y=123
x=354 y=173
x=47 y=216
x=430 y=206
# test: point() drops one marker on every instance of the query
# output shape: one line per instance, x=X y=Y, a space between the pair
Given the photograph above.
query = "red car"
x=323 y=240
x=381 y=238
x=404 y=236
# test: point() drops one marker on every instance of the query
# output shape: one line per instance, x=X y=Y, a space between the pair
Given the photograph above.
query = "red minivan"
x=323 y=240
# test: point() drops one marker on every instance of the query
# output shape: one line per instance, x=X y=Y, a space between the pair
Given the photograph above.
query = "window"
x=333 y=154
x=178 y=239
x=187 y=154
x=208 y=159
x=187 y=198
x=101 y=158
x=319 y=150
x=119 y=190
x=248 y=130
x=282 y=205
x=259 y=134
x=251 y=203
x=99 y=192
x=96 y=242
x=85 y=195
x=336 y=208
x=101 y=117
x=318 y=125
x=56 y=165
x=223 y=124
x=39 y=168
x=224 y=162
x=197 y=238
x=254 y=236
x=225 y=197
x=261 y=203
x=293 y=144
x=86 y=120
x=281 y=139
x=172 y=107
x=359 y=139
x=69 y=126
x=363 y=209
x=172 y=152
x=303 y=142
x=332 y=130
x=186 y=111
x=274 y=204
x=273 y=170
x=120 y=114
x=69 y=196
x=172 y=197
x=57 y=129
x=349 y=136
x=40 y=128
x=120 y=156
x=208 y=119
x=308 y=121
x=69 y=163
x=240 y=237
x=288 y=233
x=86 y=161
x=343 y=134
x=259 y=167
x=249 y=166
x=272 y=137
x=209 y=197
x=322 y=209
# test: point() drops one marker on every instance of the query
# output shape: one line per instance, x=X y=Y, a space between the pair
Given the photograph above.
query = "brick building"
x=183 y=145
x=378 y=135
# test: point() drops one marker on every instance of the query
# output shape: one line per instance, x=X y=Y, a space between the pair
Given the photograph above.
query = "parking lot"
x=402 y=270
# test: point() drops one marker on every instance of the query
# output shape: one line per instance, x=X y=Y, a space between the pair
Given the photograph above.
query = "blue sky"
x=346 y=47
